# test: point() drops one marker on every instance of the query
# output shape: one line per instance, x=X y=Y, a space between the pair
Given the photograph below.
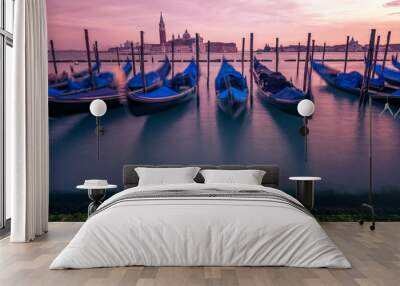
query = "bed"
x=198 y=224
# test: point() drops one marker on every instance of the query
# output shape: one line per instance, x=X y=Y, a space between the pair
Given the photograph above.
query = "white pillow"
x=248 y=177
x=163 y=176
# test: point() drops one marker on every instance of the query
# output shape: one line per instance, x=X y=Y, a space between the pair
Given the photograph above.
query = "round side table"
x=305 y=190
x=96 y=195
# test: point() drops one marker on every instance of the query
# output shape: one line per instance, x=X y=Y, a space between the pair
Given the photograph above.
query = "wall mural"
x=199 y=103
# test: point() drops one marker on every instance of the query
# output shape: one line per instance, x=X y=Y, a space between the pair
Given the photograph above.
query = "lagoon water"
x=201 y=134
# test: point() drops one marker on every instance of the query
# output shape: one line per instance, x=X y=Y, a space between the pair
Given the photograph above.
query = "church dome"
x=186 y=35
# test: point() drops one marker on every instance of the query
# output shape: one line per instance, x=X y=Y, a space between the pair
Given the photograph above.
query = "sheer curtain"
x=27 y=124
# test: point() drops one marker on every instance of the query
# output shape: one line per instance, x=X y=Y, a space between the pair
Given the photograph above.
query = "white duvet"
x=200 y=231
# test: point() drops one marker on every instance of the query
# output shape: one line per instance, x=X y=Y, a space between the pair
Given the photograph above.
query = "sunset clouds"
x=112 y=22
x=392 y=3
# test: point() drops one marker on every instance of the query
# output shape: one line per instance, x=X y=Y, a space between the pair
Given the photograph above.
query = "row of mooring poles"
x=88 y=55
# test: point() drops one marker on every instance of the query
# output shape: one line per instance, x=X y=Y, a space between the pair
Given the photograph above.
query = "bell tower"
x=163 y=36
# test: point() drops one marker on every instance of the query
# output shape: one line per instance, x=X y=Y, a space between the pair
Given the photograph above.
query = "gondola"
x=178 y=90
x=231 y=90
x=101 y=80
x=85 y=72
x=274 y=88
x=154 y=79
x=59 y=81
x=351 y=83
x=63 y=82
x=78 y=100
x=395 y=62
x=391 y=76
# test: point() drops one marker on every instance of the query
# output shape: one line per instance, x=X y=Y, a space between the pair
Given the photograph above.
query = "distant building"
x=185 y=44
x=163 y=35
x=394 y=47
x=220 y=47
x=267 y=48
x=354 y=46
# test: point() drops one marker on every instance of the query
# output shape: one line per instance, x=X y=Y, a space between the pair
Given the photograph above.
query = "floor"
x=375 y=257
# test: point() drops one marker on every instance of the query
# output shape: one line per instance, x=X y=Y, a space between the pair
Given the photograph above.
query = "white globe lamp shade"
x=98 y=107
x=306 y=108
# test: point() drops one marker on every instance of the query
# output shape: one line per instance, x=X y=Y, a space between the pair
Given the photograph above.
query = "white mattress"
x=200 y=231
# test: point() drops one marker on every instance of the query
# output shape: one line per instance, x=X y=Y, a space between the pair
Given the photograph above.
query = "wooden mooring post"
x=142 y=61
x=298 y=59
x=197 y=66
x=89 y=61
x=368 y=68
x=306 y=62
x=386 y=50
x=53 y=55
x=378 y=40
x=173 y=55
x=96 y=53
x=208 y=63
x=133 y=59
x=312 y=50
x=243 y=47
x=277 y=54
x=323 y=53
x=118 y=59
x=346 y=54
x=311 y=60
x=251 y=66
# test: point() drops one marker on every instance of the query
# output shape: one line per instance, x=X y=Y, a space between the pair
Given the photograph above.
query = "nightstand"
x=96 y=191
x=305 y=190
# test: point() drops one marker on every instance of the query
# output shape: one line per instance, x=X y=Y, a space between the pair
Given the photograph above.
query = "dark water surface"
x=201 y=134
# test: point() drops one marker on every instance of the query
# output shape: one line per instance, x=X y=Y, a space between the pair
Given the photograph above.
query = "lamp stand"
x=370 y=204
x=99 y=128
x=99 y=131
x=304 y=132
x=364 y=93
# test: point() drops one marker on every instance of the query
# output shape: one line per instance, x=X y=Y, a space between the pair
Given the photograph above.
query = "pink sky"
x=112 y=22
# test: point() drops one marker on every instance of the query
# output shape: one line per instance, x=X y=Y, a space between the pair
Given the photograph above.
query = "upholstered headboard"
x=271 y=177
